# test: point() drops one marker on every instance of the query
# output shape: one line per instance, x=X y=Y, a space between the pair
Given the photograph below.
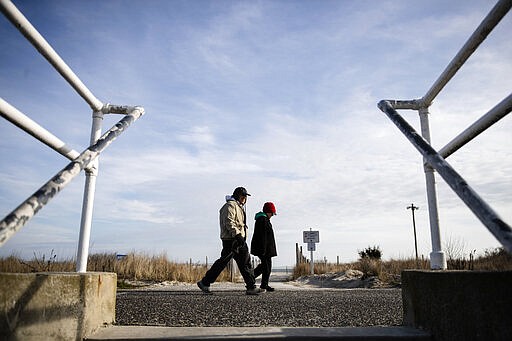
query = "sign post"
x=311 y=238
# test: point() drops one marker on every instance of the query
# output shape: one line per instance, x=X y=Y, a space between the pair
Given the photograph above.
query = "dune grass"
x=389 y=271
x=133 y=266
x=158 y=268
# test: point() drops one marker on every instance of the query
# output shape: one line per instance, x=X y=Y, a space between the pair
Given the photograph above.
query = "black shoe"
x=269 y=289
x=204 y=288
x=254 y=291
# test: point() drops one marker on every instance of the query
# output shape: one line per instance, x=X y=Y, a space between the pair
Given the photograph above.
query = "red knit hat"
x=269 y=208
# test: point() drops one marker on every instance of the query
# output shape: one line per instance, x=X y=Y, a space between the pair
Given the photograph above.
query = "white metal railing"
x=87 y=160
x=32 y=35
x=436 y=160
x=24 y=122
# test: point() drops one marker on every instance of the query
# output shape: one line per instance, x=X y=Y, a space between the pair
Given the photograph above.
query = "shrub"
x=494 y=259
x=371 y=253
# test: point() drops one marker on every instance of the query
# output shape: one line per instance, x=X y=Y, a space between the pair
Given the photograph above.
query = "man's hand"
x=238 y=242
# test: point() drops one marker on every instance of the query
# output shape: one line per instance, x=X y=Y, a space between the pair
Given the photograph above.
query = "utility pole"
x=412 y=208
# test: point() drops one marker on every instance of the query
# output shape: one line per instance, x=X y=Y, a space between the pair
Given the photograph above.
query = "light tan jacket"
x=232 y=220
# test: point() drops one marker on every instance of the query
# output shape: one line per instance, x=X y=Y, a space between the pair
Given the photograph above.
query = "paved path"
x=288 y=306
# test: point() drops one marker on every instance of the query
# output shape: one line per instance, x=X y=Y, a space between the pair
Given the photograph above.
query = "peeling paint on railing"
x=24 y=212
x=501 y=230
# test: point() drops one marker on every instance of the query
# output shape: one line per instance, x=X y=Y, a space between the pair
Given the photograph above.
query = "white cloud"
x=199 y=136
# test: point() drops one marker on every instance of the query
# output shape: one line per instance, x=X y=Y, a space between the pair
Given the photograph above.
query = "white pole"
x=312 y=264
x=88 y=201
x=18 y=218
x=85 y=223
x=437 y=256
x=494 y=223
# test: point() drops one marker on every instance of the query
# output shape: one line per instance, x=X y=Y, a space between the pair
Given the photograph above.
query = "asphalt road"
x=285 y=308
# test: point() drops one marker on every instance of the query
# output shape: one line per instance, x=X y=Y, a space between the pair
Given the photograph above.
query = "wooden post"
x=297 y=255
x=232 y=269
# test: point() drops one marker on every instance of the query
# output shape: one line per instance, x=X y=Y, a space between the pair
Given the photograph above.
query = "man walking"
x=233 y=233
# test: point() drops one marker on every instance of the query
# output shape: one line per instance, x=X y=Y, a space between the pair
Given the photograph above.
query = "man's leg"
x=243 y=261
x=258 y=270
x=219 y=265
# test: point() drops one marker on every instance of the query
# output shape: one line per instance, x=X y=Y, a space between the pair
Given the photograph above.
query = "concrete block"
x=459 y=305
x=55 y=306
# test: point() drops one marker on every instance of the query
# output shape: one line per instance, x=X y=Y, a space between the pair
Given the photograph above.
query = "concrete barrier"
x=55 y=306
x=459 y=305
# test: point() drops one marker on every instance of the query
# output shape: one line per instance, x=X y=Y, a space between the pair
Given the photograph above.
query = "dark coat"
x=263 y=243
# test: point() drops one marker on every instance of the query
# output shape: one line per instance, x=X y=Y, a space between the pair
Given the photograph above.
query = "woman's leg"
x=266 y=269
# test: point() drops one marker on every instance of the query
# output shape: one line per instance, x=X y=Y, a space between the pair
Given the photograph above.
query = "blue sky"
x=277 y=96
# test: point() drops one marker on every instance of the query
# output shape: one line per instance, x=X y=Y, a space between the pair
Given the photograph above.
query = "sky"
x=279 y=97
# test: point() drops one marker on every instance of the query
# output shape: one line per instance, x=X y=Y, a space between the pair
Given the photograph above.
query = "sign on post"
x=311 y=238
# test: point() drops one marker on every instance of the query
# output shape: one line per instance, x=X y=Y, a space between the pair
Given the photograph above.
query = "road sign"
x=311 y=236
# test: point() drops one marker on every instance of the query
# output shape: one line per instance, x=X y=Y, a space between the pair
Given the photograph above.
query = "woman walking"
x=263 y=244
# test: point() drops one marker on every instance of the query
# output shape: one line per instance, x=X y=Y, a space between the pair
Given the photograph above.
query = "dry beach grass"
x=158 y=268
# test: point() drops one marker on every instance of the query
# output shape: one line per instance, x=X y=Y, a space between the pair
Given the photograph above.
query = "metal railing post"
x=15 y=220
x=437 y=256
x=499 y=228
x=434 y=160
x=87 y=160
x=91 y=174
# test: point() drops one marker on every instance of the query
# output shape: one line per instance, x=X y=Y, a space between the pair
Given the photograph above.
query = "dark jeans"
x=242 y=259
x=264 y=269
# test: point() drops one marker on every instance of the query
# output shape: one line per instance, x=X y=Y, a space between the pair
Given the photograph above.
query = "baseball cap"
x=240 y=192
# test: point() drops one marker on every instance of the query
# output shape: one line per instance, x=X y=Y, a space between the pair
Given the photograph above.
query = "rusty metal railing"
x=436 y=160
x=87 y=160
